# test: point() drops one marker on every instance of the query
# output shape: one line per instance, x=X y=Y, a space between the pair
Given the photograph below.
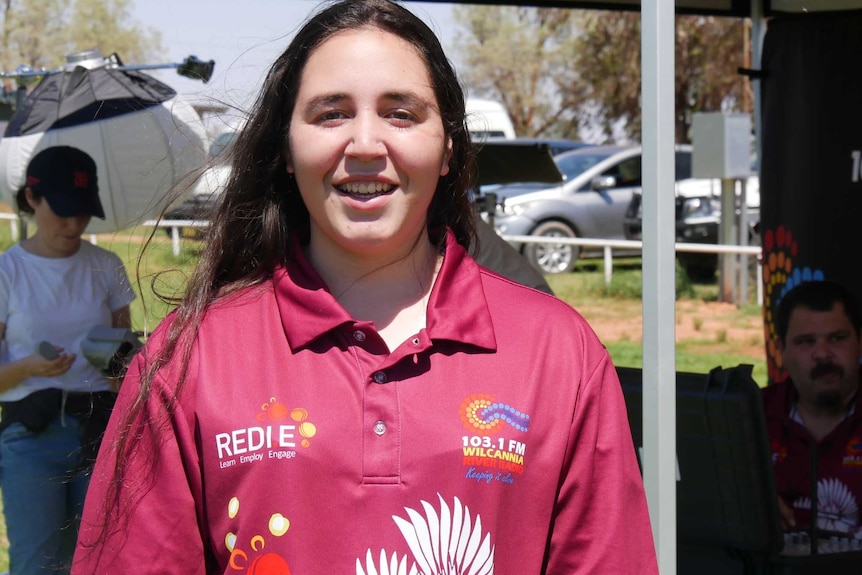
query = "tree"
x=708 y=52
x=591 y=82
x=512 y=54
x=40 y=33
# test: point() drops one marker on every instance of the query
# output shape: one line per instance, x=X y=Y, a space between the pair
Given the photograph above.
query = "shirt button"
x=359 y=335
x=379 y=428
x=380 y=377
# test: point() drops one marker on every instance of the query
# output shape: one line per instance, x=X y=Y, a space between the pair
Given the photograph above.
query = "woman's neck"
x=38 y=246
x=392 y=292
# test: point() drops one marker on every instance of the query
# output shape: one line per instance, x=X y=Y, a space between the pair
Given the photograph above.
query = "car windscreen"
x=574 y=164
x=683 y=166
x=222 y=141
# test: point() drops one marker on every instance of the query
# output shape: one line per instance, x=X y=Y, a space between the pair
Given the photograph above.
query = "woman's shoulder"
x=523 y=305
x=12 y=259
x=230 y=309
x=98 y=252
x=522 y=297
x=15 y=250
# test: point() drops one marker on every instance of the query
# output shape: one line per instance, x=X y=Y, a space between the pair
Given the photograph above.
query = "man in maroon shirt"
x=815 y=417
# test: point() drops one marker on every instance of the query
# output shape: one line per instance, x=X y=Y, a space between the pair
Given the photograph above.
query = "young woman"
x=54 y=288
x=343 y=389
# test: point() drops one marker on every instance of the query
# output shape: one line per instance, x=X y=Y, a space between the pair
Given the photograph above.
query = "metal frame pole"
x=659 y=285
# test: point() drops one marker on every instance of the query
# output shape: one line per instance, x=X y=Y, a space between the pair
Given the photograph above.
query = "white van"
x=488 y=119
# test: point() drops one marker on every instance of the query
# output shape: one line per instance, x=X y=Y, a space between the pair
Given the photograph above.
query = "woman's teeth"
x=365 y=188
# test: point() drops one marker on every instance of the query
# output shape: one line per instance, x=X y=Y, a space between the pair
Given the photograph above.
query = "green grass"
x=585 y=290
x=688 y=358
x=156 y=276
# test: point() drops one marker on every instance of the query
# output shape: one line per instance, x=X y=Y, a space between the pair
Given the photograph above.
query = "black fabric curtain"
x=811 y=170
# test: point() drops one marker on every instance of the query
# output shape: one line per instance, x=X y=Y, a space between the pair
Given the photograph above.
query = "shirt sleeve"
x=5 y=294
x=153 y=527
x=122 y=293
x=601 y=522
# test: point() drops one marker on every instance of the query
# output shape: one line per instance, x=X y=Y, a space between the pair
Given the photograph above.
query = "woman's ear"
x=285 y=152
x=31 y=201
x=444 y=169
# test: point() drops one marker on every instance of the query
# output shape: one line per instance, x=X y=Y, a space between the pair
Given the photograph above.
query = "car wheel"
x=553 y=258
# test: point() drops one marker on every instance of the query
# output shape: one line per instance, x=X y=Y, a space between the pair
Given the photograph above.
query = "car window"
x=222 y=141
x=683 y=165
x=627 y=173
x=573 y=165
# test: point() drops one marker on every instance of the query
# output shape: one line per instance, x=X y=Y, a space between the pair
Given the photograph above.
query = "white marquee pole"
x=659 y=286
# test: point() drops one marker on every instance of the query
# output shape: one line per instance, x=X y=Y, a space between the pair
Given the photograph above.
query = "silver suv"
x=591 y=202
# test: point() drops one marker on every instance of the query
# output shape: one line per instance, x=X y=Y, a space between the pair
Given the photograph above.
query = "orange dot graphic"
x=277 y=411
x=299 y=414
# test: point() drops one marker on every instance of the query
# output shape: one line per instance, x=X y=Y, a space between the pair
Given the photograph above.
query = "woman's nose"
x=78 y=223
x=366 y=142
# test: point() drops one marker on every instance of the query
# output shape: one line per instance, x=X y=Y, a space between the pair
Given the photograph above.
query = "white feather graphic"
x=390 y=567
x=837 y=509
x=448 y=543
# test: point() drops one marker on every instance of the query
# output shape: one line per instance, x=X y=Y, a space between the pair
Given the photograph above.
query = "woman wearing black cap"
x=54 y=287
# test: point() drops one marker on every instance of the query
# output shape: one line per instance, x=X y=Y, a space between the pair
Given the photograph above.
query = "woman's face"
x=56 y=236
x=366 y=144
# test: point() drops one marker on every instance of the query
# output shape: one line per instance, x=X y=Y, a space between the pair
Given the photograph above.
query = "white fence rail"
x=608 y=246
x=176 y=227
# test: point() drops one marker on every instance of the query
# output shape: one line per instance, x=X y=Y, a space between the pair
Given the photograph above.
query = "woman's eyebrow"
x=410 y=99
x=324 y=101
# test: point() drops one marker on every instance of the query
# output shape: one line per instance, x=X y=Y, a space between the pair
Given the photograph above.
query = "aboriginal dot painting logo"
x=853 y=453
x=780 y=275
x=275 y=411
x=483 y=415
x=255 y=561
x=779 y=452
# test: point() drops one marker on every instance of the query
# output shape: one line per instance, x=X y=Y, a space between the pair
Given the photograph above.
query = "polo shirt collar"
x=459 y=312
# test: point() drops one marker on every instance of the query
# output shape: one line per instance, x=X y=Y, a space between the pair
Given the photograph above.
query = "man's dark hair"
x=817 y=296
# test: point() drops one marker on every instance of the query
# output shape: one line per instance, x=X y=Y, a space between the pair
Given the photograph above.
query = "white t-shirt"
x=58 y=300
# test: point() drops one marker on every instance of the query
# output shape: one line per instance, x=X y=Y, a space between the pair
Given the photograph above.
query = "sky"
x=243 y=38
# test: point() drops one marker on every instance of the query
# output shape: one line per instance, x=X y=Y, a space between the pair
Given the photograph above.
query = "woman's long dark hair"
x=261 y=205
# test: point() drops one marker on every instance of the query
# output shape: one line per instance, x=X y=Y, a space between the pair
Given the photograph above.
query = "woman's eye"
x=330 y=117
x=402 y=117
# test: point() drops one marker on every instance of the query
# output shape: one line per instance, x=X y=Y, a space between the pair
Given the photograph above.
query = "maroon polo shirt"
x=838 y=458
x=496 y=438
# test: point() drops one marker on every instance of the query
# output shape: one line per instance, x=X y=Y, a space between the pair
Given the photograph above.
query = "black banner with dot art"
x=811 y=170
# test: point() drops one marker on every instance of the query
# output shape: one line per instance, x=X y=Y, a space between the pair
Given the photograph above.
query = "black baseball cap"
x=66 y=178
